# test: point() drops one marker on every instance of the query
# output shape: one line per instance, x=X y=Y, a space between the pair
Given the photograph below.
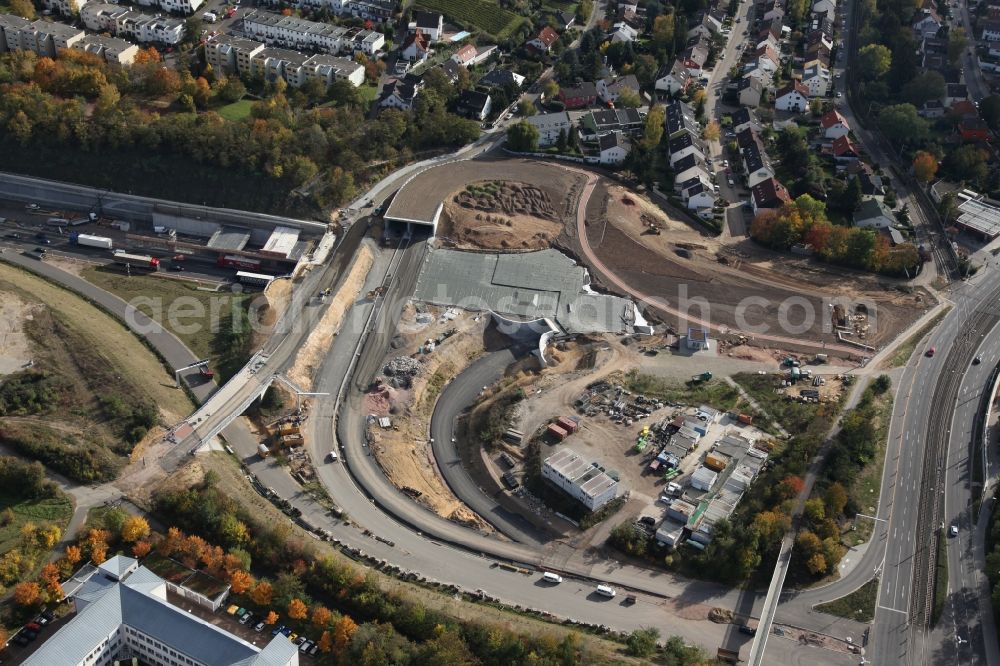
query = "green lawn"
x=176 y=304
x=56 y=510
x=368 y=93
x=858 y=605
x=236 y=111
x=795 y=417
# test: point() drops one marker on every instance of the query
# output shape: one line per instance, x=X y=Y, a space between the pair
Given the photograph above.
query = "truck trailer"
x=137 y=262
x=236 y=261
x=89 y=240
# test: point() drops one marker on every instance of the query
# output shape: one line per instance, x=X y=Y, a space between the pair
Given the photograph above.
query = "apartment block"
x=45 y=38
x=231 y=55
x=64 y=7
x=113 y=50
x=185 y=7
x=273 y=64
x=295 y=33
x=376 y=10
x=329 y=68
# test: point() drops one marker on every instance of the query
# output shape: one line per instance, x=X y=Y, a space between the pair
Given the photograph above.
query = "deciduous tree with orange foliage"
x=262 y=593
x=147 y=56
x=925 y=166
x=27 y=593
x=297 y=610
x=272 y=618
x=141 y=548
x=73 y=554
x=325 y=642
x=240 y=581
x=321 y=616
x=342 y=632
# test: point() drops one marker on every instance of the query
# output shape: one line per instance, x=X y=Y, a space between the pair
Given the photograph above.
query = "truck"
x=57 y=222
x=236 y=261
x=263 y=451
x=703 y=377
x=89 y=240
x=136 y=262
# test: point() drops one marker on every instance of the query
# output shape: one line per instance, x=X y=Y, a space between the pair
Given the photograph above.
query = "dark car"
x=748 y=630
x=21 y=640
x=647 y=520
x=176 y=267
x=47 y=616
x=977 y=360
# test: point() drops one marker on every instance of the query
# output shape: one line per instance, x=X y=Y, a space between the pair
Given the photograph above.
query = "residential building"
x=834 y=125
x=816 y=79
x=64 y=7
x=611 y=89
x=583 y=481
x=416 y=47
x=50 y=37
x=954 y=93
x=926 y=23
x=687 y=168
x=768 y=195
x=474 y=104
x=185 y=7
x=673 y=78
x=873 y=214
x=399 y=94
x=122 y=613
x=543 y=41
x=549 y=126
x=431 y=24
x=114 y=51
x=579 y=96
x=845 y=150
x=933 y=108
x=742 y=120
x=327 y=69
x=699 y=197
x=623 y=32
x=818 y=51
x=12 y=31
x=565 y=20
x=629 y=121
x=750 y=91
x=469 y=55
x=294 y=33
x=871 y=184
x=683 y=145
x=825 y=8
x=501 y=78
x=231 y=55
x=696 y=54
x=146 y=28
x=612 y=148
x=272 y=64
x=794 y=98
x=680 y=117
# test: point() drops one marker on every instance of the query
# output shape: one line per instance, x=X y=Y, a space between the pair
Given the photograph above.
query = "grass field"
x=714 y=393
x=858 y=605
x=485 y=15
x=197 y=332
x=40 y=512
x=236 y=111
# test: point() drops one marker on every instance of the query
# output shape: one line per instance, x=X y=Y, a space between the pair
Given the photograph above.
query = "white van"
x=550 y=577
x=606 y=591
x=209 y=17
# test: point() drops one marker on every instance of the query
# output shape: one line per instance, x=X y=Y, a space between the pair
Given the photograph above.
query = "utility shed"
x=703 y=479
x=670 y=533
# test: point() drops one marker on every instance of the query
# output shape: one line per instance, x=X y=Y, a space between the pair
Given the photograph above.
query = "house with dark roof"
x=990 y=32
x=683 y=145
x=750 y=91
x=673 y=78
x=871 y=183
x=955 y=92
x=543 y=41
x=611 y=89
x=742 y=120
x=430 y=24
x=612 y=148
x=768 y=195
x=932 y=108
x=926 y=23
x=698 y=197
x=565 y=20
x=601 y=121
x=122 y=613
x=416 y=47
x=474 y=104
x=399 y=94
x=578 y=96
x=501 y=78
x=680 y=117
x=687 y=168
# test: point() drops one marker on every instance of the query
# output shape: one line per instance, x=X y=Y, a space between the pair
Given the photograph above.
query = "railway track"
x=930 y=503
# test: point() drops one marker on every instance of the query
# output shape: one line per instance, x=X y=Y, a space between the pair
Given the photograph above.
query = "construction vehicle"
x=88 y=240
x=703 y=377
x=375 y=293
x=671 y=474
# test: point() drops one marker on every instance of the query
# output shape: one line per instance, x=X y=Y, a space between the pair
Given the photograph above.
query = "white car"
x=953 y=530
x=550 y=577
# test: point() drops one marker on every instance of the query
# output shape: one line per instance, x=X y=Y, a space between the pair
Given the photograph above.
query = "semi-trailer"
x=137 y=262
x=89 y=240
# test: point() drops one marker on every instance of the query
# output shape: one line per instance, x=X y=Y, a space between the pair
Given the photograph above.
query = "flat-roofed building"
x=328 y=68
x=273 y=64
x=583 y=481
x=113 y=50
x=231 y=55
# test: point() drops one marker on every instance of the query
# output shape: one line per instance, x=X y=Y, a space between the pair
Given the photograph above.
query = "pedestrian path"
x=756 y=406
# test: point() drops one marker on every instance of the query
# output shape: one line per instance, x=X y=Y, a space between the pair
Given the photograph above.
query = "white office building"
x=583 y=481
x=122 y=612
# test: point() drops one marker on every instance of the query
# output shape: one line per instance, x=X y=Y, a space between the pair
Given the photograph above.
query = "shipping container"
x=263 y=451
x=567 y=424
x=746 y=418
x=556 y=432
x=513 y=436
x=715 y=463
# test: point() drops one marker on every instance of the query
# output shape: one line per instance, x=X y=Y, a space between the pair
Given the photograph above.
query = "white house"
x=991 y=31
x=611 y=89
x=816 y=78
x=673 y=79
x=416 y=47
x=398 y=95
x=612 y=148
x=429 y=23
x=793 y=97
x=834 y=125
x=687 y=168
x=699 y=197
x=683 y=145
x=623 y=32
x=549 y=125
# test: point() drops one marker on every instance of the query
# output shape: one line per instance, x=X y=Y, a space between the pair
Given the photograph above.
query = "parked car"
x=977 y=360
x=259 y=627
x=246 y=618
x=953 y=530
x=277 y=630
x=648 y=520
x=748 y=630
x=33 y=626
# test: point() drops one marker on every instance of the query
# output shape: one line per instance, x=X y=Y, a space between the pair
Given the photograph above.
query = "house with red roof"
x=416 y=47
x=543 y=41
x=768 y=195
x=834 y=125
x=844 y=150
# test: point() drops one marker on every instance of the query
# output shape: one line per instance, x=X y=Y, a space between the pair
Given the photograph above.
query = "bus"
x=255 y=279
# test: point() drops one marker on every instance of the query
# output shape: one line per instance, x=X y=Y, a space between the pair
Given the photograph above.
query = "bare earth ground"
x=509 y=222
x=278 y=294
x=15 y=352
x=133 y=358
x=403 y=451
x=618 y=230
x=318 y=343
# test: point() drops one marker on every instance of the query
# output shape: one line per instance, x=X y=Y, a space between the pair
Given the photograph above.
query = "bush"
x=642 y=642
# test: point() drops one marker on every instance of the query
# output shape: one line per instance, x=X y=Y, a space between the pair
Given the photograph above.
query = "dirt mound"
x=720 y=615
x=506 y=197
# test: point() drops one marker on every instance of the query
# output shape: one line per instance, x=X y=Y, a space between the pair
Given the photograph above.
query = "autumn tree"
x=810 y=550
x=134 y=528
x=791 y=486
x=771 y=525
x=262 y=593
x=272 y=618
x=240 y=581
x=23 y=8
x=663 y=32
x=712 y=131
x=141 y=549
x=342 y=632
x=325 y=642
x=73 y=554
x=321 y=616
x=925 y=166
x=27 y=593
x=147 y=56
x=99 y=553
x=836 y=499
x=297 y=610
